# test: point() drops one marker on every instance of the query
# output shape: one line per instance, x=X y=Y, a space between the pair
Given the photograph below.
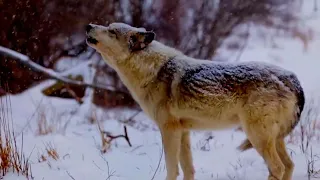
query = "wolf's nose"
x=88 y=28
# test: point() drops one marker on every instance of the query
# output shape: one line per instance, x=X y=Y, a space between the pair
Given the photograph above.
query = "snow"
x=78 y=142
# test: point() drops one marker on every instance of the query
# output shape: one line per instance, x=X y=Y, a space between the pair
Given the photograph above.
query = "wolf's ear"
x=142 y=29
x=140 y=40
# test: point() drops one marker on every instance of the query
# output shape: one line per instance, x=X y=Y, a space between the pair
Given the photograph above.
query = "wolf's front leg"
x=171 y=139
x=186 y=157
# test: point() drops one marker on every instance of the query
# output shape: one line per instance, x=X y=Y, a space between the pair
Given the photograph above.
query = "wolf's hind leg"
x=263 y=140
x=286 y=160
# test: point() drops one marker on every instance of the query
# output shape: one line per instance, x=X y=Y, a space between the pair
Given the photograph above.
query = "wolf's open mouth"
x=92 y=40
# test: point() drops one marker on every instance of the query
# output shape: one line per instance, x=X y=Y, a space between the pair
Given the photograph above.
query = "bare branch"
x=70 y=175
x=50 y=73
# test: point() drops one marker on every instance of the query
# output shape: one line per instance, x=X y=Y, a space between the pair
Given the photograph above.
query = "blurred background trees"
x=53 y=31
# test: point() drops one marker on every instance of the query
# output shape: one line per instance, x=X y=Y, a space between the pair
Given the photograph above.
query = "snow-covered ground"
x=78 y=142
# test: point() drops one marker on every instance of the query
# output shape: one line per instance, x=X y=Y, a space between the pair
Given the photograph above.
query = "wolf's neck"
x=141 y=68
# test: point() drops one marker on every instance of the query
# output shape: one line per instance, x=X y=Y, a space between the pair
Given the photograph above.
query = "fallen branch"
x=70 y=175
x=107 y=137
x=50 y=73
x=125 y=136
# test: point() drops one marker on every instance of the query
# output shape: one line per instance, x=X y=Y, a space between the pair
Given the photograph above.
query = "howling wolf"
x=181 y=93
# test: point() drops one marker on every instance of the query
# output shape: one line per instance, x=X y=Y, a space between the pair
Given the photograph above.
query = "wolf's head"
x=118 y=40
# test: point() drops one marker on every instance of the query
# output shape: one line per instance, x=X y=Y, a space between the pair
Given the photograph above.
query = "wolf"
x=181 y=94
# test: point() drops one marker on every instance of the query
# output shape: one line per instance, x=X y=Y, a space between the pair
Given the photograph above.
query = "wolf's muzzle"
x=88 y=28
x=92 y=40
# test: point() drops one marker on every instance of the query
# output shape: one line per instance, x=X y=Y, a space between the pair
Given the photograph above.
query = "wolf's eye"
x=112 y=32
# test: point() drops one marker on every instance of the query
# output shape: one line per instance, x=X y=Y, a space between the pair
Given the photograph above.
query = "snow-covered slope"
x=78 y=142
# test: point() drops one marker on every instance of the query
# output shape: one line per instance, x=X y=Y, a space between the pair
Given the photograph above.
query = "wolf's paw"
x=188 y=178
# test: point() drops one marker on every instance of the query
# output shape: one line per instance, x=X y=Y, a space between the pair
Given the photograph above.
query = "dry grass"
x=49 y=121
x=307 y=133
x=308 y=129
x=312 y=161
x=50 y=152
x=44 y=125
x=12 y=158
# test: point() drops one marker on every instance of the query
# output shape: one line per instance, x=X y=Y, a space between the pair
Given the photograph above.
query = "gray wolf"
x=181 y=94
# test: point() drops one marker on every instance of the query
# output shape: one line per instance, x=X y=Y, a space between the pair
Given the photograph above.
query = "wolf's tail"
x=296 y=87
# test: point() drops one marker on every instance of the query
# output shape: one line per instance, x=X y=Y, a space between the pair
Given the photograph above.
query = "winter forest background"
x=52 y=129
x=53 y=31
